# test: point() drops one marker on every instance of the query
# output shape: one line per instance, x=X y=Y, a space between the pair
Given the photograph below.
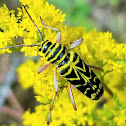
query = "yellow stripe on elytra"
x=94 y=87
x=98 y=90
x=53 y=49
x=71 y=57
x=87 y=80
x=85 y=84
x=69 y=62
x=85 y=92
x=68 y=72
x=77 y=60
x=84 y=77
x=82 y=69
x=78 y=85
x=64 y=66
x=93 y=95
x=77 y=78
x=95 y=78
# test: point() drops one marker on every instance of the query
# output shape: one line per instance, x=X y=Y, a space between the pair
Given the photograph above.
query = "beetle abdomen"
x=81 y=76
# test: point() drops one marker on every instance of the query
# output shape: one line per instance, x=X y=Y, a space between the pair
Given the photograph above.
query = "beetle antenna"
x=40 y=34
x=32 y=45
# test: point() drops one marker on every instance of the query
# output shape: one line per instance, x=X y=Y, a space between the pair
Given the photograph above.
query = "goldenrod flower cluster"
x=98 y=48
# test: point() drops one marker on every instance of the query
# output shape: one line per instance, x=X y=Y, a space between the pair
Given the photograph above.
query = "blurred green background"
x=107 y=15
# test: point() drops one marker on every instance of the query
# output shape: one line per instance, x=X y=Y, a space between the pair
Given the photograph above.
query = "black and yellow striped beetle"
x=69 y=65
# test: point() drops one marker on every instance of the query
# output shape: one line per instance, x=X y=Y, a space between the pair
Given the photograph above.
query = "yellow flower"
x=32 y=51
x=120 y=119
x=97 y=48
x=27 y=74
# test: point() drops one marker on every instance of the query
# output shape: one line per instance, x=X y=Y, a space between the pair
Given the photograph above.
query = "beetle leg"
x=56 y=91
x=55 y=81
x=94 y=67
x=42 y=68
x=58 y=39
x=75 y=43
x=40 y=34
x=71 y=96
x=51 y=107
